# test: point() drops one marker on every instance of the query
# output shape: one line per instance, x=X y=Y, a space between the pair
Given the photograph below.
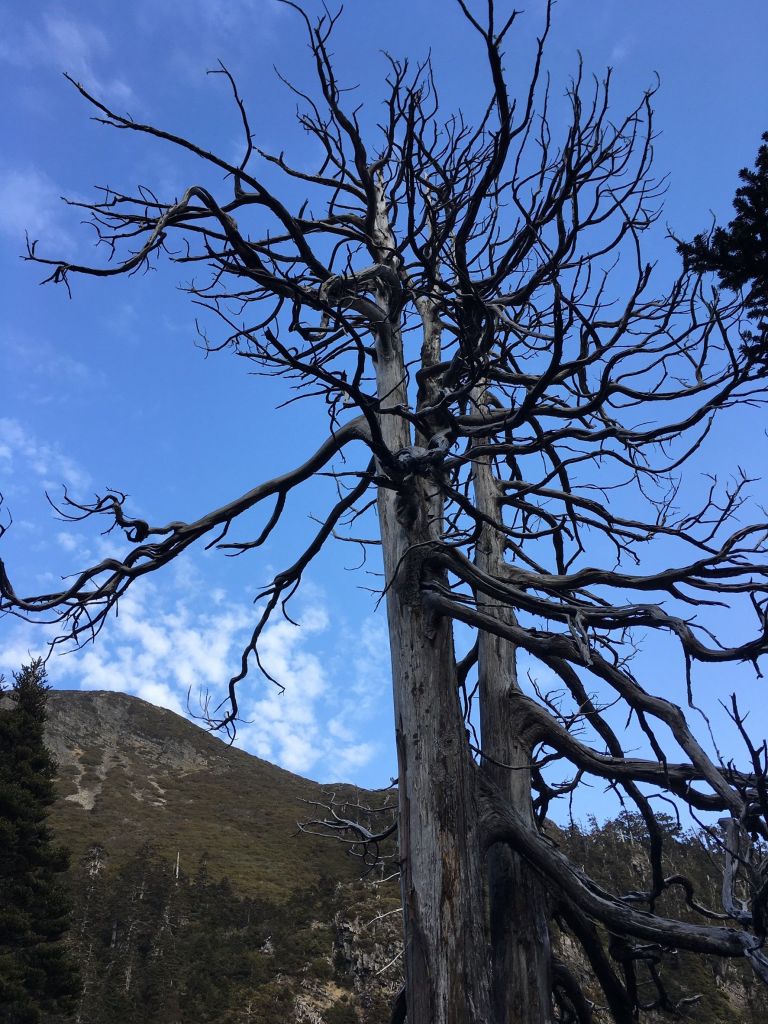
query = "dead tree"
x=515 y=399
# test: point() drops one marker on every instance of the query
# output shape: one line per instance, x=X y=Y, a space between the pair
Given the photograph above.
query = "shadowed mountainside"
x=131 y=773
x=195 y=901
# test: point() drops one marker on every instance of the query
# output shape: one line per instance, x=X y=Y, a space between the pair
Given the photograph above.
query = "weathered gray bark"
x=446 y=969
x=494 y=228
x=441 y=881
x=520 y=944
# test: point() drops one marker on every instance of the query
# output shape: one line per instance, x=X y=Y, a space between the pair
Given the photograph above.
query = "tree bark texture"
x=511 y=380
x=520 y=942
x=446 y=969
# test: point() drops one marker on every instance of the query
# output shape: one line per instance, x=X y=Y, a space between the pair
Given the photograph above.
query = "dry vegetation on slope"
x=197 y=903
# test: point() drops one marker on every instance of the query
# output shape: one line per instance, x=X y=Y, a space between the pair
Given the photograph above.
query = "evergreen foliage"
x=157 y=947
x=616 y=853
x=514 y=420
x=36 y=975
x=738 y=254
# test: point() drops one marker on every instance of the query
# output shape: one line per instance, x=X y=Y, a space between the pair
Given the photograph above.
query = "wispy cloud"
x=63 y=43
x=221 y=17
x=313 y=725
x=172 y=644
x=23 y=453
x=285 y=724
x=31 y=203
x=156 y=650
x=67 y=541
x=37 y=363
x=621 y=49
x=200 y=32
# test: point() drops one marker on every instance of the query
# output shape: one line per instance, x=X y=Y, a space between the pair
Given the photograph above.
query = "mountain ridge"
x=196 y=901
x=131 y=772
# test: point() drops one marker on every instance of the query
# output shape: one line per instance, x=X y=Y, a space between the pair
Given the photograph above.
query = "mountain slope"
x=131 y=773
x=196 y=901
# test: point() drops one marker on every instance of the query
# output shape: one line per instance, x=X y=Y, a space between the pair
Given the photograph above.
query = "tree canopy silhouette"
x=513 y=396
x=738 y=254
x=37 y=973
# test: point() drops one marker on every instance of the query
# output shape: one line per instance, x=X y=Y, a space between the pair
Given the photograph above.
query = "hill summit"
x=196 y=898
x=198 y=901
x=131 y=773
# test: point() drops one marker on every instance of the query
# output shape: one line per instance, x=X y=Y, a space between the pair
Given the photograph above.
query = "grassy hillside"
x=196 y=901
x=131 y=773
x=196 y=898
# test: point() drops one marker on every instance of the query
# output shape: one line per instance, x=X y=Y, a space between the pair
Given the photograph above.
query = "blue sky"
x=108 y=389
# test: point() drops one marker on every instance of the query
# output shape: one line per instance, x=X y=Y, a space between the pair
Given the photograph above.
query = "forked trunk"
x=446 y=969
x=519 y=920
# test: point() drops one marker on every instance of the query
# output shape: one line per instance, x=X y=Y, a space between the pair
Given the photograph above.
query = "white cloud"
x=372 y=662
x=124 y=671
x=349 y=759
x=21 y=643
x=338 y=729
x=289 y=722
x=155 y=652
x=19 y=650
x=22 y=453
x=162 y=647
x=63 y=43
x=30 y=202
x=220 y=17
x=67 y=541
x=315 y=724
x=621 y=49
x=25 y=356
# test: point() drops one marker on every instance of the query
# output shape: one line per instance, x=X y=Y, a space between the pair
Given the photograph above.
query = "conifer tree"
x=508 y=395
x=738 y=254
x=36 y=976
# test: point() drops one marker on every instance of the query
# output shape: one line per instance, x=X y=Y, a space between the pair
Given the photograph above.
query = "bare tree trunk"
x=446 y=970
x=446 y=965
x=520 y=942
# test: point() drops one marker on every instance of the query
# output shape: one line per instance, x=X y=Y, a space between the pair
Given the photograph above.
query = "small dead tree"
x=516 y=398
